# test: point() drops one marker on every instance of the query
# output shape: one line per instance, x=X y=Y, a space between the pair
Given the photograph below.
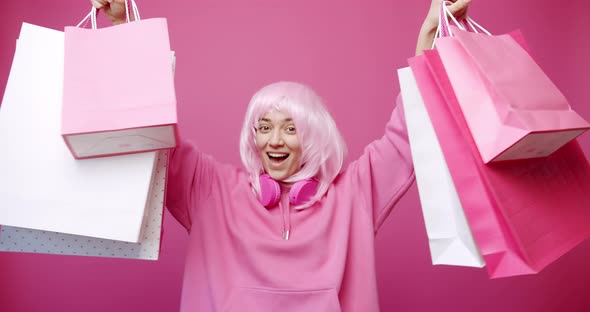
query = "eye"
x=291 y=129
x=263 y=128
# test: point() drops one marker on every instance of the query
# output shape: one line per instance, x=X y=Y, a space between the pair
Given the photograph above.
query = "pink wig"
x=323 y=149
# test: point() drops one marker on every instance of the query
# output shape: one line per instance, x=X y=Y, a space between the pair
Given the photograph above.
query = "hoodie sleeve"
x=385 y=170
x=190 y=176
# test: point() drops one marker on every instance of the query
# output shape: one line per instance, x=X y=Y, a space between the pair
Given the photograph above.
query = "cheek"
x=299 y=155
x=260 y=141
x=293 y=143
x=295 y=147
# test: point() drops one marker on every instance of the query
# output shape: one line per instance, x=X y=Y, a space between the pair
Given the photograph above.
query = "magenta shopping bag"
x=511 y=107
x=119 y=92
x=523 y=214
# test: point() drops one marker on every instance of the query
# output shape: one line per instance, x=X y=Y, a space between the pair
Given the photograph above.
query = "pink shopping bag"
x=119 y=93
x=523 y=215
x=512 y=109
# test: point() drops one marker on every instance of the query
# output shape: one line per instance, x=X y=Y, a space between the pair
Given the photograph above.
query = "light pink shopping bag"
x=524 y=214
x=511 y=107
x=119 y=93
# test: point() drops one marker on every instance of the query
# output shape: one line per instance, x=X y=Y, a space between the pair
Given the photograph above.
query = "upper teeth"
x=277 y=154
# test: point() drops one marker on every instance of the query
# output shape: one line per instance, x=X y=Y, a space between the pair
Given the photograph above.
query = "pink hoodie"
x=237 y=258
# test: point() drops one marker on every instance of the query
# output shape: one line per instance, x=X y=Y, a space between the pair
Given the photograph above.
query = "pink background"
x=349 y=52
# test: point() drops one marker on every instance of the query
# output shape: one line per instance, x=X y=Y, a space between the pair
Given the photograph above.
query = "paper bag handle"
x=444 y=29
x=94 y=10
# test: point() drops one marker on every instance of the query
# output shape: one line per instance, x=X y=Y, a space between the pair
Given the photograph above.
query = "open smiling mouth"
x=277 y=158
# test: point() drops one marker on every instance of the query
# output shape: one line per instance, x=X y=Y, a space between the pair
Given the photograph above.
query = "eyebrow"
x=268 y=120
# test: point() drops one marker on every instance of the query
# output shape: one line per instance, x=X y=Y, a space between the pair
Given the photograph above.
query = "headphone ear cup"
x=270 y=191
x=302 y=191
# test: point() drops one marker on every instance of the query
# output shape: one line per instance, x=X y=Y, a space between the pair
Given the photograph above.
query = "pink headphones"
x=300 y=192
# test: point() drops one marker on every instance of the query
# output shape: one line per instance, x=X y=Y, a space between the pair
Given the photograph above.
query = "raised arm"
x=190 y=177
x=384 y=171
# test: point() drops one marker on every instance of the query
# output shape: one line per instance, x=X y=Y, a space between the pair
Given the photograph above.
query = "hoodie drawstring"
x=284 y=204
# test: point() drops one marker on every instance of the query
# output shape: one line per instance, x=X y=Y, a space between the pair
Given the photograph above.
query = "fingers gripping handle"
x=92 y=15
x=444 y=29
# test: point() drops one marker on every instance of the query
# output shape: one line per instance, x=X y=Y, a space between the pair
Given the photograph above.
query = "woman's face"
x=277 y=142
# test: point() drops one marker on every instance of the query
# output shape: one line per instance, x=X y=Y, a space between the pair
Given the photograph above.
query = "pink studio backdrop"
x=348 y=51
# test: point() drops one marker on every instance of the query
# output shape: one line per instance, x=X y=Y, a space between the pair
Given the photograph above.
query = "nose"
x=276 y=138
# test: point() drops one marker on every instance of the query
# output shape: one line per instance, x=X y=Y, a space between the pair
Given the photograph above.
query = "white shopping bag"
x=449 y=236
x=41 y=186
x=15 y=239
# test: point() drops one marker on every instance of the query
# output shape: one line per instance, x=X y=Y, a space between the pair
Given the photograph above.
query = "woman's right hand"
x=114 y=9
x=458 y=8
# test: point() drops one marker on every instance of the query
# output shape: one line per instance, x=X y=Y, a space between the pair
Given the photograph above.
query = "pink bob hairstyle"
x=323 y=149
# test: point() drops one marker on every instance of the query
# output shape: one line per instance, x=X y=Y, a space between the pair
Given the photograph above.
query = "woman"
x=293 y=231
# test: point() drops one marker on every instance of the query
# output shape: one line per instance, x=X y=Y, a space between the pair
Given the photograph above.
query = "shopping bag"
x=449 y=237
x=513 y=110
x=15 y=239
x=118 y=102
x=523 y=215
x=41 y=186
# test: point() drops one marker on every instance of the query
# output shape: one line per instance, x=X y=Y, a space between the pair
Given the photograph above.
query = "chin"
x=278 y=176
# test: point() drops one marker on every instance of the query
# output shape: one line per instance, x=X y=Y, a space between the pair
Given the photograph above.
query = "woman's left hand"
x=426 y=36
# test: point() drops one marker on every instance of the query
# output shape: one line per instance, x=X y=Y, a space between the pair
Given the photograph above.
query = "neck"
x=285 y=186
